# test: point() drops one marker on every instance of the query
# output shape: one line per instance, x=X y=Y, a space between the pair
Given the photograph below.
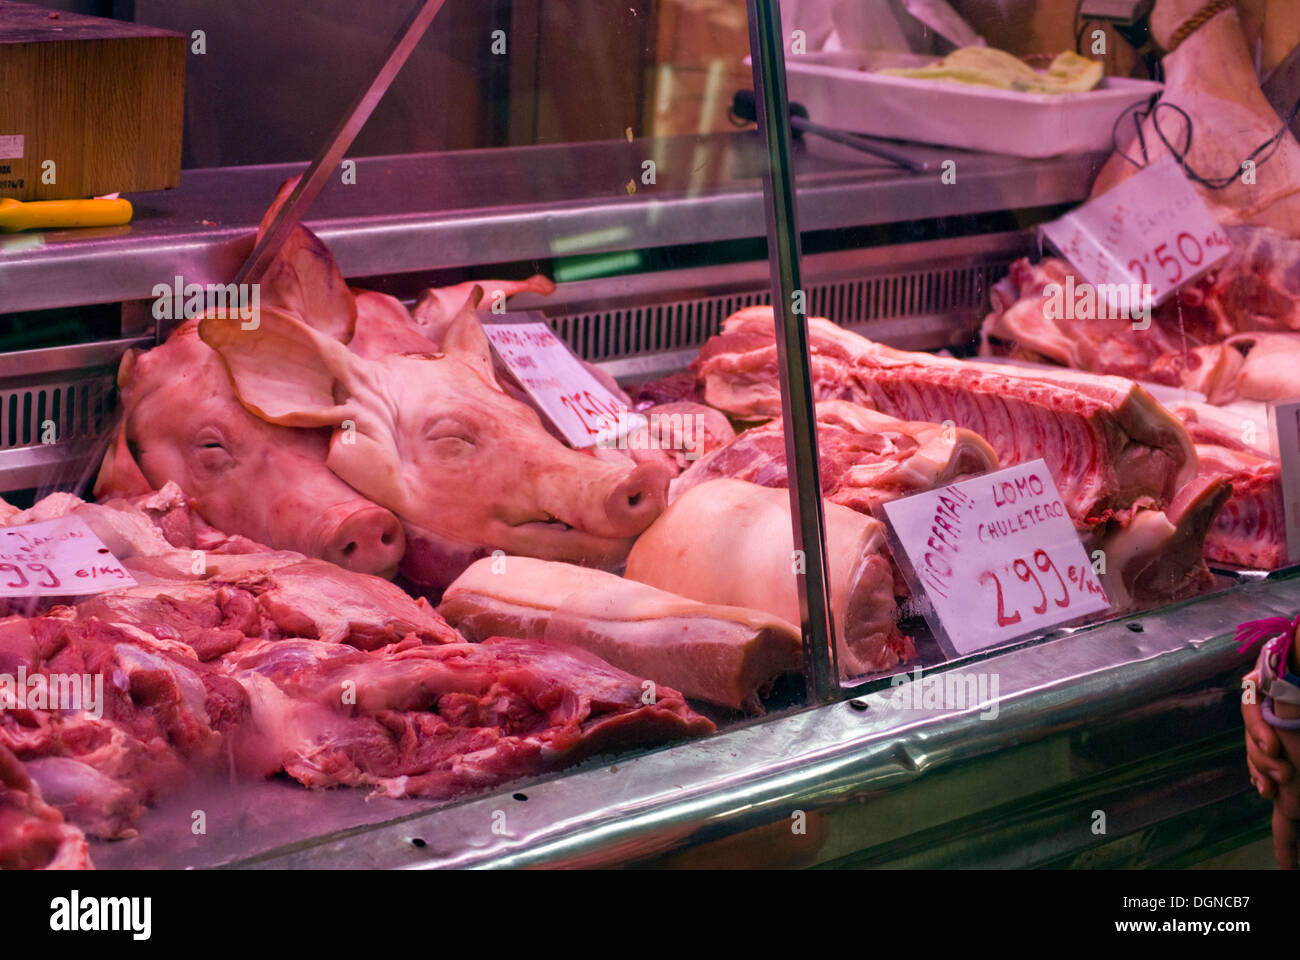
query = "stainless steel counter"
x=431 y=211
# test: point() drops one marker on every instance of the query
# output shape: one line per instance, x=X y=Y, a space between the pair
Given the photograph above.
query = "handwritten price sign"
x=578 y=404
x=997 y=556
x=61 y=558
x=1153 y=230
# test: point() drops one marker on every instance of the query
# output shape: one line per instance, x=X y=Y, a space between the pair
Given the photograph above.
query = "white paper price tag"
x=59 y=558
x=579 y=405
x=1153 y=230
x=1284 y=419
x=996 y=556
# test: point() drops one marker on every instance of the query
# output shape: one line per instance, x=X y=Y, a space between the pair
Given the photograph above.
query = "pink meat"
x=1108 y=445
x=437 y=721
x=1250 y=529
x=33 y=835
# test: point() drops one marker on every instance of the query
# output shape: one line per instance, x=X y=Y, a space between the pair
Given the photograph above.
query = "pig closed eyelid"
x=446 y=429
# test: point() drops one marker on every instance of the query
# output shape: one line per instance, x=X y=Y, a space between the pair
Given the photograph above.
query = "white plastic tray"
x=839 y=93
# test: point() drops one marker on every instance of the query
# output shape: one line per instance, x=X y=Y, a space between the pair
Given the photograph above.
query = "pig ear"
x=283 y=371
x=120 y=475
x=438 y=306
x=304 y=278
x=466 y=341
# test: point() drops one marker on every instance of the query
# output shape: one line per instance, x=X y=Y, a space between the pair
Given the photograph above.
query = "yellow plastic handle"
x=48 y=214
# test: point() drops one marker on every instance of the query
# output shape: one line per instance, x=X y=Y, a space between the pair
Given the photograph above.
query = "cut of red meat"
x=866 y=457
x=317 y=599
x=93 y=801
x=33 y=835
x=674 y=388
x=148 y=715
x=1254 y=290
x=1108 y=444
x=1250 y=529
x=437 y=720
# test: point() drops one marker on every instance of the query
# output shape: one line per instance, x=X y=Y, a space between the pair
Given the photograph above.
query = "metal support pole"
x=797 y=410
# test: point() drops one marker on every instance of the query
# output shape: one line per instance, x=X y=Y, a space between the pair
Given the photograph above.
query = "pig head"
x=433 y=437
x=182 y=422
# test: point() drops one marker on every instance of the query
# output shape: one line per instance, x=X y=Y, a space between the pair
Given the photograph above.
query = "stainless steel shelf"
x=430 y=211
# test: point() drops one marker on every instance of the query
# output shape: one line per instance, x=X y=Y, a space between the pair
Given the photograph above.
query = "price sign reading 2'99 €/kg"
x=996 y=556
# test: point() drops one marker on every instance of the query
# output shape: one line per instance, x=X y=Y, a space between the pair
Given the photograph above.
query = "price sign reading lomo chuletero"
x=579 y=405
x=57 y=558
x=997 y=557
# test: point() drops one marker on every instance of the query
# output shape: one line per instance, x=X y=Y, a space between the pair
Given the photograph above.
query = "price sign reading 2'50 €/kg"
x=1142 y=240
x=996 y=556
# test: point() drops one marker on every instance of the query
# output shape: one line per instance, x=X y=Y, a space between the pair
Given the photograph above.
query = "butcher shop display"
x=347 y=560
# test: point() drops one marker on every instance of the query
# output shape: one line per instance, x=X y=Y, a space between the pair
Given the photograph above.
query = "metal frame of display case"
x=798 y=412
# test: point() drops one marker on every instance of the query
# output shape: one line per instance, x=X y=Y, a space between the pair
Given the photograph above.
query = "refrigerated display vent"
x=75 y=409
x=602 y=335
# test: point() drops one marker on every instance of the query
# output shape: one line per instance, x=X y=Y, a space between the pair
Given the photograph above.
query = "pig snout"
x=638 y=499
x=368 y=540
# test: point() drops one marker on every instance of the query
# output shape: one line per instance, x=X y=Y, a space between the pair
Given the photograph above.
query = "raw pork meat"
x=433 y=437
x=723 y=655
x=1109 y=445
x=160 y=716
x=33 y=835
x=1250 y=530
x=730 y=542
x=436 y=721
x=244 y=475
x=866 y=457
x=1242 y=314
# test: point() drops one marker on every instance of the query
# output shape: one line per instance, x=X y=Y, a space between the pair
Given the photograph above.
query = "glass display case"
x=503 y=498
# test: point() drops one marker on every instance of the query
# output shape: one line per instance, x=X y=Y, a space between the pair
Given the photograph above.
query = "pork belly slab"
x=721 y=654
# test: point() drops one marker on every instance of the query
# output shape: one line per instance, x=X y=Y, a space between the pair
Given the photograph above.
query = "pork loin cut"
x=866 y=457
x=1109 y=445
x=730 y=542
x=720 y=654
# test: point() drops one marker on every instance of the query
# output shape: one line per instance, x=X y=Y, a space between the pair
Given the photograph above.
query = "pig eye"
x=450 y=447
x=210 y=453
x=449 y=438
